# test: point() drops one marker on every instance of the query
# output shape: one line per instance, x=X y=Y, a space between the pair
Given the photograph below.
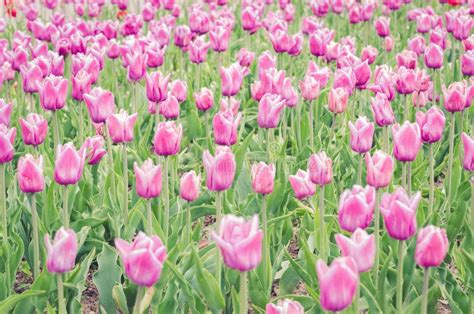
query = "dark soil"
x=90 y=296
x=23 y=282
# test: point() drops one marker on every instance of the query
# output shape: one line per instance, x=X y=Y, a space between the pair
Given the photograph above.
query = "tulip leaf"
x=9 y=303
x=107 y=275
x=119 y=299
x=208 y=285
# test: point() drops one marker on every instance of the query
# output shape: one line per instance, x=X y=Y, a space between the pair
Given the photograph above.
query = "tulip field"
x=236 y=156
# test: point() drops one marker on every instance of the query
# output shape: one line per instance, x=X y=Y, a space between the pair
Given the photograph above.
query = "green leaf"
x=119 y=299
x=107 y=275
x=9 y=303
x=208 y=285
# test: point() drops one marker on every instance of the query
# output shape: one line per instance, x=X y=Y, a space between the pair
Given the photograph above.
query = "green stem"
x=377 y=237
x=407 y=108
x=451 y=153
x=61 y=301
x=401 y=251
x=322 y=227
x=359 y=169
x=166 y=200
x=408 y=165
x=81 y=122
x=188 y=223
x=138 y=300
x=356 y=300
x=34 y=222
x=404 y=175
x=206 y=125
x=56 y=138
x=385 y=139
x=65 y=207
x=218 y=224
x=311 y=125
x=3 y=201
x=149 y=215
x=472 y=206
x=266 y=245
x=243 y=293
x=125 y=183
x=111 y=158
x=431 y=202
x=424 y=300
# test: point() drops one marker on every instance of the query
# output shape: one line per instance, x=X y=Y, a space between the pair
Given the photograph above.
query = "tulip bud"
x=337 y=100
x=120 y=126
x=263 y=178
x=379 y=169
x=434 y=56
x=225 y=126
x=360 y=246
x=167 y=140
x=148 y=179
x=7 y=141
x=33 y=129
x=62 y=251
x=269 y=110
x=169 y=107
x=157 y=86
x=189 y=186
x=356 y=208
x=302 y=185
x=53 y=93
x=240 y=242
x=320 y=168
x=204 y=99
x=30 y=174
x=362 y=134
x=100 y=104
x=179 y=89
x=431 y=246
x=142 y=259
x=406 y=141
x=69 y=164
x=431 y=124
x=220 y=169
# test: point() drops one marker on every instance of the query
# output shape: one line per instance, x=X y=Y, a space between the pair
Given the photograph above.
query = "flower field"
x=236 y=156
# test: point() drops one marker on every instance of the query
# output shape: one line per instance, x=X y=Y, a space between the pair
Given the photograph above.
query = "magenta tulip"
x=468 y=146
x=7 y=141
x=53 y=93
x=360 y=246
x=455 y=97
x=189 y=186
x=382 y=110
x=231 y=79
x=157 y=86
x=30 y=174
x=220 y=169
x=62 y=251
x=285 y=306
x=434 y=56
x=320 y=168
x=148 y=179
x=431 y=246
x=94 y=149
x=263 y=178
x=269 y=111
x=120 y=126
x=204 y=99
x=337 y=100
x=379 y=169
x=69 y=164
x=431 y=124
x=406 y=141
x=33 y=129
x=382 y=26
x=225 y=126
x=5 y=112
x=167 y=140
x=362 y=134
x=302 y=185
x=81 y=84
x=356 y=208
x=100 y=104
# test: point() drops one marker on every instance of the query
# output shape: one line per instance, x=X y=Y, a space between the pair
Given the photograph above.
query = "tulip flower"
x=7 y=140
x=198 y=50
x=337 y=283
x=337 y=100
x=219 y=37
x=33 y=129
x=309 y=87
x=53 y=93
x=406 y=141
x=81 y=84
x=360 y=246
x=468 y=146
x=231 y=79
x=362 y=133
x=189 y=191
x=204 y=99
x=93 y=147
x=379 y=169
x=467 y=63
x=455 y=97
x=356 y=208
x=431 y=124
x=143 y=259
x=120 y=126
x=136 y=66
x=434 y=56
x=263 y=177
x=320 y=169
x=69 y=165
x=220 y=169
x=382 y=26
x=5 y=112
x=225 y=126
x=148 y=179
x=30 y=174
x=179 y=89
x=31 y=75
x=156 y=86
x=285 y=306
x=167 y=138
x=269 y=111
x=169 y=107
x=302 y=184
x=100 y=104
x=245 y=57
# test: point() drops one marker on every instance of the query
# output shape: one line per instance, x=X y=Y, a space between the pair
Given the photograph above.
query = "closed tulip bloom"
x=309 y=87
x=53 y=93
x=7 y=140
x=30 y=174
x=434 y=56
x=431 y=124
x=468 y=145
x=382 y=26
x=462 y=27
x=142 y=259
x=157 y=86
x=136 y=67
x=379 y=169
x=169 y=107
x=382 y=110
x=33 y=129
x=407 y=59
x=220 y=169
x=81 y=84
x=431 y=246
x=417 y=44
x=62 y=251
x=362 y=134
x=5 y=112
x=31 y=75
x=189 y=186
x=167 y=140
x=179 y=89
x=337 y=100
x=406 y=141
x=467 y=63
x=360 y=246
x=265 y=61
x=100 y=104
x=337 y=283
x=405 y=81
x=198 y=50
x=269 y=111
x=285 y=306
x=219 y=37
x=369 y=54
x=148 y=179
x=204 y=99
x=455 y=97
x=302 y=185
x=225 y=126
x=399 y=213
x=182 y=36
x=356 y=208
x=69 y=164
x=231 y=79
x=263 y=178
x=245 y=57
x=320 y=168
x=94 y=149
x=388 y=43
x=240 y=242
x=120 y=126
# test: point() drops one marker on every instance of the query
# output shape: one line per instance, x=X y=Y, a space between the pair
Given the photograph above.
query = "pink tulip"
x=62 y=251
x=182 y=36
x=81 y=84
x=362 y=134
x=7 y=141
x=407 y=59
x=155 y=55
x=356 y=208
x=360 y=246
x=157 y=86
x=240 y=242
x=309 y=87
x=179 y=89
x=250 y=19
x=406 y=141
x=388 y=43
x=431 y=124
x=434 y=56
x=399 y=213
x=219 y=37
x=405 y=81
x=53 y=93
x=263 y=178
x=30 y=174
x=142 y=259
x=462 y=27
x=467 y=63
x=225 y=125
x=31 y=75
x=136 y=66
x=337 y=100
x=302 y=185
x=198 y=50
x=169 y=107
x=280 y=40
x=269 y=111
x=337 y=283
x=417 y=44
x=455 y=97
x=431 y=246
x=379 y=169
x=320 y=168
x=33 y=129
x=468 y=145
x=369 y=54
x=167 y=140
x=285 y=306
x=69 y=164
x=5 y=112
x=362 y=73
x=265 y=62
x=231 y=79
x=94 y=149
x=220 y=169
x=204 y=99
x=148 y=179
x=245 y=57
x=345 y=78
x=382 y=26
x=100 y=104
x=189 y=186
x=382 y=110
x=120 y=126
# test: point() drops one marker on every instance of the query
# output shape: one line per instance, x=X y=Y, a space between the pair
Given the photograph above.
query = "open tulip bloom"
x=198 y=156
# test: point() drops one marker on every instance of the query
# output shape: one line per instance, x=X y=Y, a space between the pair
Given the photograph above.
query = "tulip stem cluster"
x=35 y=231
x=3 y=201
x=426 y=281
x=401 y=251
